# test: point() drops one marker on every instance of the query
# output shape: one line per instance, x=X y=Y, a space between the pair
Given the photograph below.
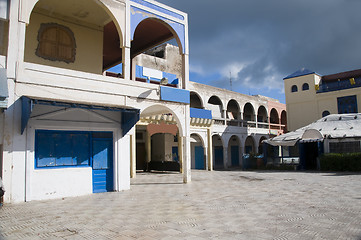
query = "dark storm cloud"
x=262 y=41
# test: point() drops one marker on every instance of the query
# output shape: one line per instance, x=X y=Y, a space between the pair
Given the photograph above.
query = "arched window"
x=305 y=87
x=294 y=88
x=56 y=43
x=325 y=113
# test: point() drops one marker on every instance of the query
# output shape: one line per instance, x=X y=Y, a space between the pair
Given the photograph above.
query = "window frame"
x=44 y=27
x=294 y=88
x=305 y=87
x=89 y=151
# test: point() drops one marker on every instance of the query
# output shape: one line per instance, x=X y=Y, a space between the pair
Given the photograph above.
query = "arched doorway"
x=217 y=152
x=197 y=152
x=159 y=136
x=261 y=145
x=249 y=146
x=234 y=150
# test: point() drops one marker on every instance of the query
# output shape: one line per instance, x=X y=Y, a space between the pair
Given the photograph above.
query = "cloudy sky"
x=259 y=42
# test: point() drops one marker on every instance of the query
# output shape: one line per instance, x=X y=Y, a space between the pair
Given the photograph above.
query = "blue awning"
x=129 y=116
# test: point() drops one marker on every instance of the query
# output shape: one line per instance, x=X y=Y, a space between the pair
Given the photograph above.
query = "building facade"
x=82 y=109
x=310 y=96
x=224 y=124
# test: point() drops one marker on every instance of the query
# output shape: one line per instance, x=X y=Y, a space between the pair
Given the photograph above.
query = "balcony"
x=339 y=85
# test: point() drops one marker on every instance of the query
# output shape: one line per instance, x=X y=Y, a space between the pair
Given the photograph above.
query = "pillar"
x=133 y=157
x=180 y=152
x=148 y=148
x=225 y=157
x=210 y=150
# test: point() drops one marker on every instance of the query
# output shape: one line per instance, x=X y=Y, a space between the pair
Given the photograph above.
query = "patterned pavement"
x=216 y=205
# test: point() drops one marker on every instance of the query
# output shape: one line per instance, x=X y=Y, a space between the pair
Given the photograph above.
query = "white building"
x=78 y=112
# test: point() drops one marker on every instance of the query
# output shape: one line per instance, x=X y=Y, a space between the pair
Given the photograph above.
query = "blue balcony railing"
x=339 y=85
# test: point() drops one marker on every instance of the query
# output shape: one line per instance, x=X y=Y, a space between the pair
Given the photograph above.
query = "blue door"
x=199 y=157
x=218 y=156
x=235 y=155
x=102 y=165
x=175 y=154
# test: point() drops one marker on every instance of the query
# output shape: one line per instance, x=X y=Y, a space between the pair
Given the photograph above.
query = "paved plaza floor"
x=216 y=205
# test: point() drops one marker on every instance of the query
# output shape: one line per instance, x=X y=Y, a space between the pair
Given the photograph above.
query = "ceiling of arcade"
x=82 y=11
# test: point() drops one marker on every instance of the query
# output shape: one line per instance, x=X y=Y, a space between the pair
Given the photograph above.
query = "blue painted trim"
x=138 y=15
x=159 y=9
x=201 y=113
x=129 y=119
x=26 y=109
x=28 y=104
x=174 y=95
x=172 y=78
x=299 y=73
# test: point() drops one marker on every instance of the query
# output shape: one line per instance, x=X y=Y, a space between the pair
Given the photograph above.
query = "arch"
x=111 y=10
x=196 y=100
x=215 y=104
x=274 y=117
x=198 y=160
x=284 y=120
x=248 y=112
x=305 y=87
x=159 y=109
x=294 y=88
x=217 y=148
x=232 y=110
x=260 y=145
x=262 y=114
x=249 y=145
x=234 y=150
x=325 y=113
x=148 y=32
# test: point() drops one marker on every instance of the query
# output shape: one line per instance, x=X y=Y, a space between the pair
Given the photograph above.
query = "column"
x=186 y=147
x=148 y=148
x=225 y=157
x=210 y=150
x=133 y=157
x=180 y=152
x=241 y=119
x=127 y=64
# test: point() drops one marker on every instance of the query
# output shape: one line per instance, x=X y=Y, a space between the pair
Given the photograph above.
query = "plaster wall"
x=50 y=183
x=328 y=100
x=89 y=45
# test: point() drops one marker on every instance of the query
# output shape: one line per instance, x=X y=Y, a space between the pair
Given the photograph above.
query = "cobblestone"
x=215 y=205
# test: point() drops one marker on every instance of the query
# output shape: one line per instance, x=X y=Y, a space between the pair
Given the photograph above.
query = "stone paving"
x=216 y=205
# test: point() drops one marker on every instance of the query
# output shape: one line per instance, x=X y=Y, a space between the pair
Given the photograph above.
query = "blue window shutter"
x=45 y=150
x=63 y=149
x=81 y=148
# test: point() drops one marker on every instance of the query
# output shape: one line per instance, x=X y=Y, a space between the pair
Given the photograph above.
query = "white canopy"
x=331 y=126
